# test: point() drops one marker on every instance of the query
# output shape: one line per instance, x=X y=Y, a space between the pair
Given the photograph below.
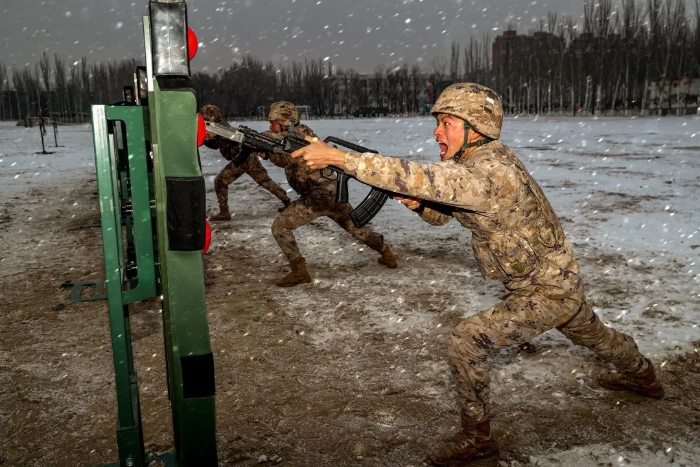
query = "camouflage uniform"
x=516 y=239
x=251 y=165
x=317 y=198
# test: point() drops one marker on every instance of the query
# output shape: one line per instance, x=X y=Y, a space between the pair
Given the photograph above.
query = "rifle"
x=251 y=140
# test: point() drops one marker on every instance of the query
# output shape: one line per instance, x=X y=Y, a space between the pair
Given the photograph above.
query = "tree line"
x=639 y=57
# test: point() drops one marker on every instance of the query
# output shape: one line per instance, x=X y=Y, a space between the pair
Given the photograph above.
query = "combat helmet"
x=284 y=113
x=479 y=106
x=211 y=113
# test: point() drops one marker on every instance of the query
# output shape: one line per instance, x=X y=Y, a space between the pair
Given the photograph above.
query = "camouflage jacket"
x=516 y=237
x=302 y=179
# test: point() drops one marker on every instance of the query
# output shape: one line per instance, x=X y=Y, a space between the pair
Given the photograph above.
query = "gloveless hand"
x=319 y=155
x=410 y=202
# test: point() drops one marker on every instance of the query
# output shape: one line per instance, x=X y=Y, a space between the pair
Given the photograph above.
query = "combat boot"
x=387 y=259
x=223 y=215
x=646 y=383
x=471 y=443
x=299 y=274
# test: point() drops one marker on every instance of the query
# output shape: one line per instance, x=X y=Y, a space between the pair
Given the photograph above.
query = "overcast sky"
x=358 y=34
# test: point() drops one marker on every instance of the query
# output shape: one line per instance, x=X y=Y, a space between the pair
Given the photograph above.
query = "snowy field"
x=628 y=187
x=627 y=192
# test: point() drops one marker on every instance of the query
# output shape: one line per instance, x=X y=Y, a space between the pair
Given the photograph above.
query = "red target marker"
x=201 y=130
x=207 y=237
x=192 y=43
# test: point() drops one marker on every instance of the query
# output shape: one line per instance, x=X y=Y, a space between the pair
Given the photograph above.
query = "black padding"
x=198 y=376
x=186 y=208
x=174 y=83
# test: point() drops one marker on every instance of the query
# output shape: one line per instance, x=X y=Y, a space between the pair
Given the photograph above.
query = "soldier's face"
x=276 y=127
x=449 y=135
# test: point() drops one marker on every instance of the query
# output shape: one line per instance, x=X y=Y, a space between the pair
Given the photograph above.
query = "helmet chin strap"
x=293 y=125
x=466 y=145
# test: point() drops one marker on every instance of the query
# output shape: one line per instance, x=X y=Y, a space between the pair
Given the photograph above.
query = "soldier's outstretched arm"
x=318 y=155
x=431 y=215
x=434 y=214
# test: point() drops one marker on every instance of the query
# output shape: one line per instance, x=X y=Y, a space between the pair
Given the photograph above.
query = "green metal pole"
x=129 y=431
x=152 y=210
x=180 y=213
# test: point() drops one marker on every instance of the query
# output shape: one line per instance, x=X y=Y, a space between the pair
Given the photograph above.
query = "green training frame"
x=152 y=212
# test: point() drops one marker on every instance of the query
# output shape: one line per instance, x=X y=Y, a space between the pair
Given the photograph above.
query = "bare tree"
x=694 y=46
x=44 y=75
x=605 y=65
x=4 y=88
x=360 y=90
x=322 y=93
x=667 y=30
x=61 y=80
x=25 y=87
x=680 y=34
x=417 y=86
x=378 y=89
x=599 y=26
x=454 y=62
x=632 y=47
x=393 y=90
x=436 y=77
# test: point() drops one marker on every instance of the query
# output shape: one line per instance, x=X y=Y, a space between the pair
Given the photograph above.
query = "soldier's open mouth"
x=443 y=149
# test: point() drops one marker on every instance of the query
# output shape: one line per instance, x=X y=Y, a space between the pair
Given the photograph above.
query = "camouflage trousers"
x=257 y=172
x=516 y=319
x=310 y=206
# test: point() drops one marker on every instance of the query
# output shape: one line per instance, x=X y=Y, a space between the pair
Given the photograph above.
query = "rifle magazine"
x=369 y=207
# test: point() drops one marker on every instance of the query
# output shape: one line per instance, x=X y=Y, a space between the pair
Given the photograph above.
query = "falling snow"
x=359 y=354
x=414 y=31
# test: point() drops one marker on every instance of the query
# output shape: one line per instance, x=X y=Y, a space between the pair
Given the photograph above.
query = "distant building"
x=680 y=96
x=503 y=49
x=520 y=63
x=582 y=43
x=511 y=50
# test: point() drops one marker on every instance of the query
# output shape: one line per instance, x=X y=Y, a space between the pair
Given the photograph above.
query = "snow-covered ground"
x=628 y=187
x=627 y=191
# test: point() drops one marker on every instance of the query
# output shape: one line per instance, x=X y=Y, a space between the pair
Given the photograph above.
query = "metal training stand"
x=42 y=133
x=152 y=212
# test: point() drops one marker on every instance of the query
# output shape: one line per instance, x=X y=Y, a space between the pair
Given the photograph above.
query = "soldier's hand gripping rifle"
x=254 y=141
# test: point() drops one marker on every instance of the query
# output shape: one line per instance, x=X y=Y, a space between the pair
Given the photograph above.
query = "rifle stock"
x=258 y=142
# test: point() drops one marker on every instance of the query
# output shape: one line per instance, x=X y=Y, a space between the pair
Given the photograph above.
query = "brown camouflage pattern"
x=256 y=171
x=283 y=112
x=229 y=174
x=516 y=239
x=302 y=179
x=211 y=113
x=317 y=198
x=478 y=105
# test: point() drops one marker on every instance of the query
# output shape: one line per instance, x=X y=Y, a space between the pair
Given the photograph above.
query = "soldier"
x=317 y=198
x=516 y=238
x=250 y=165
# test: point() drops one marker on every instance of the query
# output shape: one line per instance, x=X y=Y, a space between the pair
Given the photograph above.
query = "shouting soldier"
x=516 y=239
